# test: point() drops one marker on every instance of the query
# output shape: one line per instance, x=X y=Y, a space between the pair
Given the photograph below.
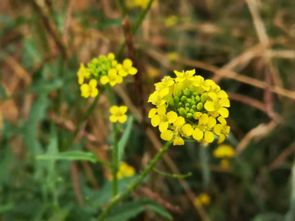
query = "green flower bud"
x=199 y=106
x=183 y=98
x=181 y=111
x=189 y=115
x=203 y=97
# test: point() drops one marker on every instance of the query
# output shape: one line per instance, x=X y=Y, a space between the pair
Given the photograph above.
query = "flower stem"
x=116 y=199
x=115 y=161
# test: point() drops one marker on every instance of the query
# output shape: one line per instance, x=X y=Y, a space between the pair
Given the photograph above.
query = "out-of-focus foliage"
x=51 y=171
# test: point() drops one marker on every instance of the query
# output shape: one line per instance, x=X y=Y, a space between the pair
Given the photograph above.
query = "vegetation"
x=107 y=111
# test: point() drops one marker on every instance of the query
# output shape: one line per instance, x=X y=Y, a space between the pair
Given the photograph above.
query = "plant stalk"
x=116 y=199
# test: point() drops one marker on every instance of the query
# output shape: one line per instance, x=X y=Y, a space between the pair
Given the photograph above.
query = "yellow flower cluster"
x=125 y=171
x=137 y=3
x=104 y=69
x=118 y=114
x=202 y=199
x=225 y=153
x=189 y=106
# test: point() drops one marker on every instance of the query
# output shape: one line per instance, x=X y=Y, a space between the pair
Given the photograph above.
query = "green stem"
x=86 y=115
x=115 y=200
x=142 y=16
x=115 y=161
x=137 y=24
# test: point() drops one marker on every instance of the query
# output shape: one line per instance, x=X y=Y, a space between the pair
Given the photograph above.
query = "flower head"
x=125 y=170
x=118 y=114
x=189 y=106
x=104 y=69
x=137 y=3
x=202 y=199
x=224 y=152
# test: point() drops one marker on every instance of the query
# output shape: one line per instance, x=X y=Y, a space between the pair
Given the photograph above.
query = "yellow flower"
x=90 y=89
x=171 y=21
x=83 y=73
x=224 y=151
x=112 y=78
x=202 y=199
x=125 y=170
x=188 y=106
x=104 y=69
x=137 y=3
x=127 y=66
x=118 y=114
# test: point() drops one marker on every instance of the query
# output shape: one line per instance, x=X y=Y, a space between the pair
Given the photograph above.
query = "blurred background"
x=247 y=46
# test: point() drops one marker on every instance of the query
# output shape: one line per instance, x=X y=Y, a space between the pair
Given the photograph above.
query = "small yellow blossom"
x=83 y=73
x=171 y=21
x=112 y=78
x=137 y=3
x=189 y=106
x=202 y=199
x=224 y=151
x=125 y=171
x=118 y=114
x=90 y=89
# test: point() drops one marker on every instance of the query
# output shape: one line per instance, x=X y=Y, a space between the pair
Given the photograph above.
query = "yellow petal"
x=94 y=92
x=163 y=126
x=155 y=120
x=197 y=134
x=167 y=135
x=127 y=63
x=177 y=141
x=223 y=112
x=172 y=116
x=209 y=106
x=179 y=122
x=113 y=119
x=161 y=110
x=122 y=119
x=187 y=130
x=224 y=102
x=123 y=109
x=122 y=73
x=93 y=83
x=211 y=122
x=104 y=80
x=112 y=72
x=208 y=137
x=85 y=90
x=132 y=71
x=152 y=112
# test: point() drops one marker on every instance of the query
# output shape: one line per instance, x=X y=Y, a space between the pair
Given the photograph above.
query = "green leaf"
x=98 y=198
x=130 y=210
x=70 y=156
x=268 y=217
x=124 y=139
